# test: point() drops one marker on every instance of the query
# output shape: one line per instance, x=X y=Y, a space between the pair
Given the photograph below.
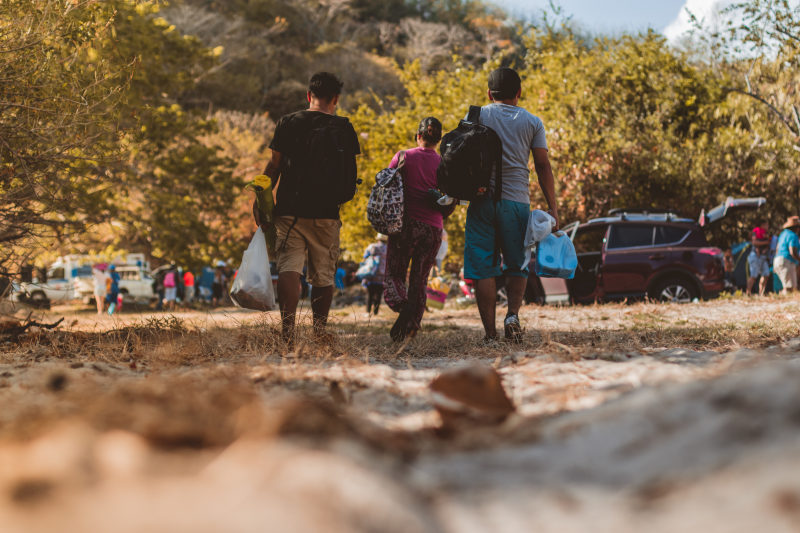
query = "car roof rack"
x=620 y=211
x=642 y=215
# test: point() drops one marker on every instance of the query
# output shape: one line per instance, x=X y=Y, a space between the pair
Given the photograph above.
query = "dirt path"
x=628 y=417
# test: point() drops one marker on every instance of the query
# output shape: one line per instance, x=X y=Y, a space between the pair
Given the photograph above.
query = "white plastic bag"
x=252 y=288
x=540 y=225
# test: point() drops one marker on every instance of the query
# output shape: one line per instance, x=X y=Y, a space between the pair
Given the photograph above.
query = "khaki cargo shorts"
x=314 y=238
x=786 y=271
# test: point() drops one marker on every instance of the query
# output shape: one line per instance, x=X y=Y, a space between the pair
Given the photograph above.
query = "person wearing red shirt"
x=188 y=287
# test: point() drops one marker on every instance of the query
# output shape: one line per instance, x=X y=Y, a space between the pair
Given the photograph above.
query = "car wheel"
x=674 y=290
x=39 y=300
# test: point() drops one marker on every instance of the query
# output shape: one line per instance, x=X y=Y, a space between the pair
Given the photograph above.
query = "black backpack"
x=322 y=165
x=469 y=154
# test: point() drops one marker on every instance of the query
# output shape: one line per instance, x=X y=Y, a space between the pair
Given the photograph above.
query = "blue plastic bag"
x=556 y=257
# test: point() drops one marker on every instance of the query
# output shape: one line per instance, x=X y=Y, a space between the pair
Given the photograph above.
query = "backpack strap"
x=498 y=190
x=474 y=114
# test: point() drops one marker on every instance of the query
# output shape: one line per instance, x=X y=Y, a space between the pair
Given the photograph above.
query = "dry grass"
x=195 y=380
x=166 y=341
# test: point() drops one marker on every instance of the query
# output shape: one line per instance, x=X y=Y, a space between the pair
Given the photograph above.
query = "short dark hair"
x=504 y=83
x=431 y=130
x=325 y=86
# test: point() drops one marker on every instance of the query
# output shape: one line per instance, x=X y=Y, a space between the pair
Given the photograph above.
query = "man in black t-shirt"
x=313 y=171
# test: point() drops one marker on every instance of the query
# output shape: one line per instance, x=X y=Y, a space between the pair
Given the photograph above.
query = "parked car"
x=135 y=285
x=56 y=283
x=630 y=255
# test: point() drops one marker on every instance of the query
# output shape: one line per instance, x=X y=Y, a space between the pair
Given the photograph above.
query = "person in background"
x=170 y=288
x=218 y=286
x=412 y=252
x=113 y=289
x=206 y=284
x=188 y=284
x=374 y=282
x=339 y=279
x=158 y=289
x=787 y=256
x=729 y=266
x=99 y=280
x=758 y=260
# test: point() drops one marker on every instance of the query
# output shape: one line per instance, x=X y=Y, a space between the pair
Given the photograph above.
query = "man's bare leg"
x=321 y=298
x=486 y=295
x=288 y=298
x=762 y=286
x=515 y=290
x=750 y=283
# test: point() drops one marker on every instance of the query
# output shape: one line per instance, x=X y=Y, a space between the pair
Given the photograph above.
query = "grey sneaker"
x=513 y=329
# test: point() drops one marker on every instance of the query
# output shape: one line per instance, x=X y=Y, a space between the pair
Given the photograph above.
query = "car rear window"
x=588 y=240
x=670 y=234
x=630 y=235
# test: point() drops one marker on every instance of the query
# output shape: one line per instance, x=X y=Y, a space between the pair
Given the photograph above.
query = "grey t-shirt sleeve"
x=538 y=140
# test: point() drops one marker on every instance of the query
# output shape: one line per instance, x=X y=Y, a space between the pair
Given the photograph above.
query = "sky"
x=615 y=16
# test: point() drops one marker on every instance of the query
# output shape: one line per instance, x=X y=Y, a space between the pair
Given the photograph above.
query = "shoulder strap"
x=498 y=174
x=401 y=159
x=474 y=114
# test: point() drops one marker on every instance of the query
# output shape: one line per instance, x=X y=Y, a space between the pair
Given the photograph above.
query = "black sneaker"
x=400 y=328
x=513 y=329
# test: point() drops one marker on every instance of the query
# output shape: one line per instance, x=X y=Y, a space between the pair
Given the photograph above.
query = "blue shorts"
x=512 y=222
x=759 y=265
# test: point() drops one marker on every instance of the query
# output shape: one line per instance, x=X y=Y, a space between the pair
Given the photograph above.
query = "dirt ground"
x=627 y=418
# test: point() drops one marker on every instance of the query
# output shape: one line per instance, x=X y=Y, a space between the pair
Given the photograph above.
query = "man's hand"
x=554 y=213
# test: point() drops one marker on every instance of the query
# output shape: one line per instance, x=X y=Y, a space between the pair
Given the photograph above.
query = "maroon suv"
x=635 y=255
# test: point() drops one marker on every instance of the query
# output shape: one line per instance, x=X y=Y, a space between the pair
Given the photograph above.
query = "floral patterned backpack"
x=385 y=205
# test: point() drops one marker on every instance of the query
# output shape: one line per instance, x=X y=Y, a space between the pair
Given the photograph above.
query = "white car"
x=135 y=285
x=60 y=285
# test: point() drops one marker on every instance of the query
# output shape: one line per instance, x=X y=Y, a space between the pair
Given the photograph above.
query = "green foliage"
x=54 y=120
x=96 y=132
x=105 y=122
x=630 y=122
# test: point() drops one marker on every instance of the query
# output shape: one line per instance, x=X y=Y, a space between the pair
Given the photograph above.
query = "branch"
x=784 y=119
x=786 y=33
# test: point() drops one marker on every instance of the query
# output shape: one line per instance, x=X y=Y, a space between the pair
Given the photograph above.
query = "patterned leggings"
x=416 y=244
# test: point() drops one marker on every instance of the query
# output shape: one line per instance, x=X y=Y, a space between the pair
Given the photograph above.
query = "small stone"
x=472 y=393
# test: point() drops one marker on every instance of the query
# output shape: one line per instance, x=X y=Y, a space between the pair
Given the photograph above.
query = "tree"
x=100 y=136
x=55 y=120
x=630 y=122
x=767 y=33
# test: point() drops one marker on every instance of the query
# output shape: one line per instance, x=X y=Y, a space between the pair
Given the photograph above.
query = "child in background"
x=374 y=282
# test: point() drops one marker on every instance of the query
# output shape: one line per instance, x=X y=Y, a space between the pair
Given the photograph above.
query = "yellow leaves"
x=217 y=51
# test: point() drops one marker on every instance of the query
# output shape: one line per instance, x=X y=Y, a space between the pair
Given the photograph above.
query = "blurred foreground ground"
x=629 y=418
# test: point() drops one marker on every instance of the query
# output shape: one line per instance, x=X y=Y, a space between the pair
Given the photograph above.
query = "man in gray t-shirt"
x=522 y=134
